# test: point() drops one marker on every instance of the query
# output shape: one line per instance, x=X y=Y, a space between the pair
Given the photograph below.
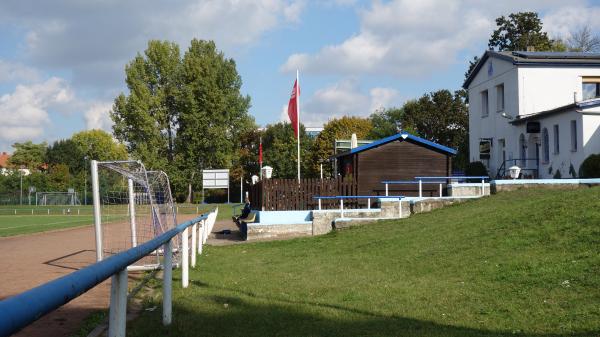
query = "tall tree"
x=98 y=145
x=65 y=151
x=387 y=122
x=146 y=119
x=520 y=31
x=280 y=150
x=28 y=155
x=584 y=40
x=182 y=115
x=337 y=128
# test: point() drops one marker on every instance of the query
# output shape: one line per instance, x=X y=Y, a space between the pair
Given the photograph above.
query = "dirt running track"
x=30 y=260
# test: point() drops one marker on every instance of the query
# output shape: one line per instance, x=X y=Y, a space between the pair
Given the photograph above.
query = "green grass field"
x=17 y=220
x=523 y=263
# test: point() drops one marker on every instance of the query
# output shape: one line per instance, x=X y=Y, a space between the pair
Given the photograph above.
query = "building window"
x=591 y=87
x=484 y=103
x=546 y=145
x=500 y=98
x=573 y=136
x=556 y=140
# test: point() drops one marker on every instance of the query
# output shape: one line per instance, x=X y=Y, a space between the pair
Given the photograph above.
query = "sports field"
x=17 y=220
x=523 y=263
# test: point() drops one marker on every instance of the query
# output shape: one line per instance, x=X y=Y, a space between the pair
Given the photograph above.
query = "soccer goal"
x=69 y=198
x=131 y=206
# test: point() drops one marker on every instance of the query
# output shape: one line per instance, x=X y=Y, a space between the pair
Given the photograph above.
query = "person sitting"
x=245 y=213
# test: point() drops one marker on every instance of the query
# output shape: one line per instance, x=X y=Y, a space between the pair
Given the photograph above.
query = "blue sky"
x=61 y=62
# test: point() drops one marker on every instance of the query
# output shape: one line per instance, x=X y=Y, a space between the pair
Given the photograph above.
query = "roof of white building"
x=544 y=59
x=577 y=105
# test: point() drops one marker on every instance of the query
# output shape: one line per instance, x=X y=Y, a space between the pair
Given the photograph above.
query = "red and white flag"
x=293 y=107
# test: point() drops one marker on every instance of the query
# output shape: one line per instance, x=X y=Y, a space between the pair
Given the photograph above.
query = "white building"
x=538 y=110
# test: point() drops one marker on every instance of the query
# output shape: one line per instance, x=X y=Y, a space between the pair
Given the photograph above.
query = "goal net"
x=135 y=206
x=57 y=198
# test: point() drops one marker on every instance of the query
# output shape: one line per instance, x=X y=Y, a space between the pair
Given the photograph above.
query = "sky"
x=62 y=61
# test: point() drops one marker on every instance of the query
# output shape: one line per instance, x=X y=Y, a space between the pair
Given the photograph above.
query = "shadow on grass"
x=251 y=315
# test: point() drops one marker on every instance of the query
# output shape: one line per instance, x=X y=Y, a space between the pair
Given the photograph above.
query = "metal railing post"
x=319 y=204
x=200 y=235
x=118 y=304
x=167 y=282
x=368 y=203
x=185 y=261
x=482 y=187
x=342 y=207
x=420 y=188
x=440 y=190
x=193 y=250
x=386 y=189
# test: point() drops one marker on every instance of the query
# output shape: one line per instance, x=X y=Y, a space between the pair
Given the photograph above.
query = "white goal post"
x=57 y=198
x=131 y=206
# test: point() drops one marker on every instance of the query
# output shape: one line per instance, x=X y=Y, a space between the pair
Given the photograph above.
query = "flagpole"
x=261 y=161
x=298 y=117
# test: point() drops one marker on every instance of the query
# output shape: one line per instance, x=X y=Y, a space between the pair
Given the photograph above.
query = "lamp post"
x=21 y=175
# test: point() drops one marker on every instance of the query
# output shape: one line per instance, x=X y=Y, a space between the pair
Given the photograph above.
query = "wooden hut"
x=399 y=157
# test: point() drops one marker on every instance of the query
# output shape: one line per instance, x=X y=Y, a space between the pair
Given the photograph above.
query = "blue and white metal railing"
x=22 y=309
x=459 y=178
x=342 y=197
x=410 y=182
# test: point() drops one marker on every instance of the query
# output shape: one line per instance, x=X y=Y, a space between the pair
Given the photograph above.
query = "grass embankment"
x=522 y=263
x=17 y=220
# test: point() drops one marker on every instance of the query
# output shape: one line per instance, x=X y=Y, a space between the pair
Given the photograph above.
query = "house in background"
x=398 y=157
x=537 y=110
x=4 y=157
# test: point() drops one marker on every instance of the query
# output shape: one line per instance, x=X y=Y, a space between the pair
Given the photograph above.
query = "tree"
x=337 y=128
x=387 y=122
x=440 y=116
x=28 y=155
x=520 y=31
x=584 y=40
x=182 y=115
x=98 y=145
x=280 y=151
x=65 y=151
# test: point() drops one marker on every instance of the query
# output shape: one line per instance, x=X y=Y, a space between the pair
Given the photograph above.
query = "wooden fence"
x=289 y=195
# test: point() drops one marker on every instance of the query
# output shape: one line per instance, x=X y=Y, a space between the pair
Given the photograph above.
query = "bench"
x=242 y=224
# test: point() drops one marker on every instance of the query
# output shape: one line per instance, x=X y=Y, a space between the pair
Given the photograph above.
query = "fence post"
x=368 y=203
x=167 y=282
x=440 y=190
x=420 y=188
x=118 y=304
x=193 y=250
x=482 y=187
x=185 y=262
x=200 y=235
x=386 y=189
x=319 y=204
x=342 y=207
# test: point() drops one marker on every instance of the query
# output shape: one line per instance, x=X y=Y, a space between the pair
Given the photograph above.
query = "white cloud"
x=17 y=72
x=94 y=40
x=344 y=98
x=24 y=113
x=97 y=116
x=405 y=37
x=564 y=21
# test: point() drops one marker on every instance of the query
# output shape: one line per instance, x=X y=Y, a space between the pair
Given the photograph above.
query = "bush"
x=476 y=168
x=590 y=168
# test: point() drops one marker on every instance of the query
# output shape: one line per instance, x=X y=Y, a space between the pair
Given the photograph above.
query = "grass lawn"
x=523 y=263
x=25 y=221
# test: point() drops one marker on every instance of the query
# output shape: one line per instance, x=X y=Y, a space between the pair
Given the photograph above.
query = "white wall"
x=493 y=125
x=546 y=88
